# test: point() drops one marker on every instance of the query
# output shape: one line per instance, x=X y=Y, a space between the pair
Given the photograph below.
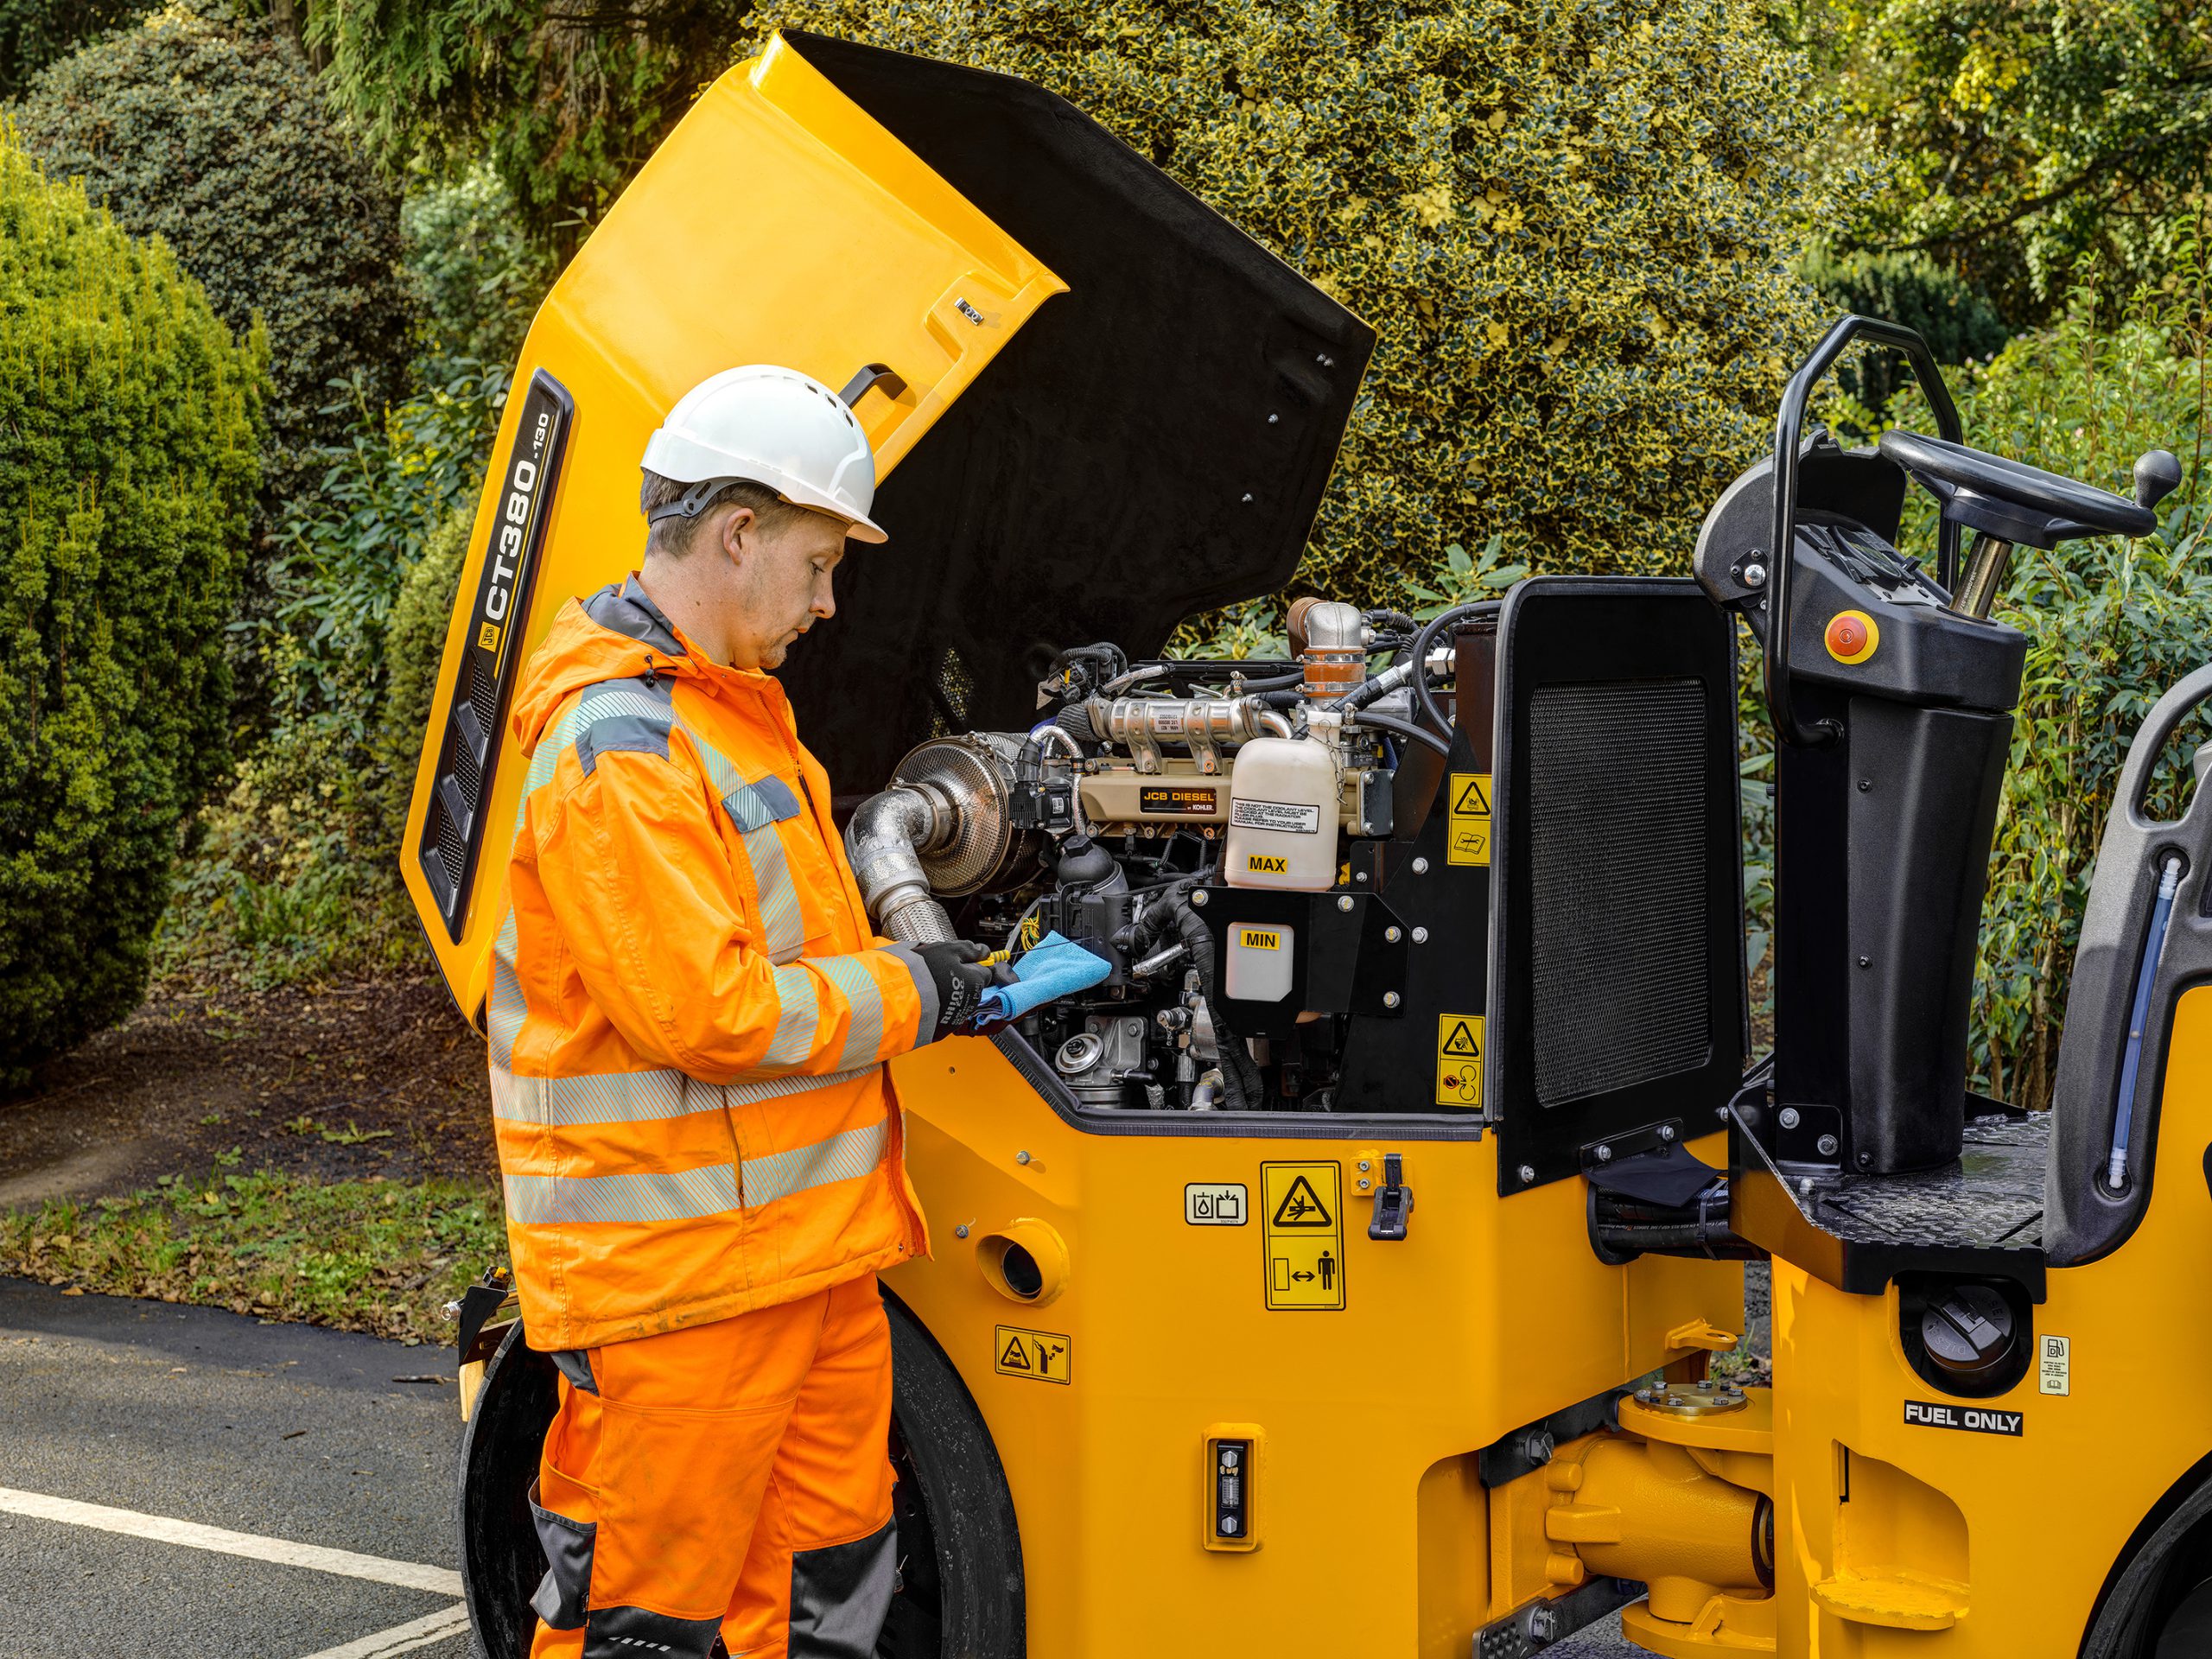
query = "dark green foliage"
x=1955 y=319
x=2111 y=624
x=34 y=33
x=1575 y=227
x=297 y=874
x=414 y=646
x=128 y=435
x=215 y=137
x=567 y=102
x=2025 y=135
x=478 y=278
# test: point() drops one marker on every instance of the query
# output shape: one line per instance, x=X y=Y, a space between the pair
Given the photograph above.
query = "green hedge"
x=2111 y=626
x=214 y=136
x=1954 y=317
x=128 y=427
x=34 y=33
x=1574 y=223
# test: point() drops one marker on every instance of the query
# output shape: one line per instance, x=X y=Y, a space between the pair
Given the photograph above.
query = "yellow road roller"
x=1338 y=1276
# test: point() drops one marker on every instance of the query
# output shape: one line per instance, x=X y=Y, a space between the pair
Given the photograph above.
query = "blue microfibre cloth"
x=1053 y=967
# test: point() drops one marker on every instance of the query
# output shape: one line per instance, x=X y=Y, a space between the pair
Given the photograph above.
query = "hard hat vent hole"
x=1023 y=1276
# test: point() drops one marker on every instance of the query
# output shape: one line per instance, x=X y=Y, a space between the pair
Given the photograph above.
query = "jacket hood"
x=616 y=633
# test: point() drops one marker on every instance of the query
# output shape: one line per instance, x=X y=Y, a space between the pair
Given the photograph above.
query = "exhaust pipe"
x=884 y=840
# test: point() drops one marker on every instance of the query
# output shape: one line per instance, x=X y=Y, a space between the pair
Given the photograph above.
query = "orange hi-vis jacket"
x=689 y=1016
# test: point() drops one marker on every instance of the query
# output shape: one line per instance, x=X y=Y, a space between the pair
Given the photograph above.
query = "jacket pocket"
x=563 y=1595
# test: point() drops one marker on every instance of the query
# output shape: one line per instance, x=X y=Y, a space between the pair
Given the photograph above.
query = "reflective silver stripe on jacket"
x=694 y=1194
x=754 y=807
x=840 y=1158
x=799 y=1016
x=689 y=1195
x=865 y=1034
x=636 y=1097
x=503 y=1018
x=605 y=1097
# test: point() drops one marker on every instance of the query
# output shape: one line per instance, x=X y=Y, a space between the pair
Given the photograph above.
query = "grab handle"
x=1789 y=428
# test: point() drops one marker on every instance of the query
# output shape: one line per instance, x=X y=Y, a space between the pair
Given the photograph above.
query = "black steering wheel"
x=2019 y=503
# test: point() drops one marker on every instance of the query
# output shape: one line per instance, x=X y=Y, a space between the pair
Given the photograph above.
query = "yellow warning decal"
x=1469 y=842
x=1039 y=1356
x=1458 y=1060
x=1302 y=1237
x=1259 y=939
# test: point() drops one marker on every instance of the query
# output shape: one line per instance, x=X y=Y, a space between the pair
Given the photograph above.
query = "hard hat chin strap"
x=693 y=501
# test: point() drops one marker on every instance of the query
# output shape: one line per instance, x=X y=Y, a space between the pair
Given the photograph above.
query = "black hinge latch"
x=1394 y=1200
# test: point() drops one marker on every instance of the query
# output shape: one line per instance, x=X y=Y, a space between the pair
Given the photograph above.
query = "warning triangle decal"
x=1016 y=1357
x=1462 y=1044
x=1473 y=797
x=1301 y=1207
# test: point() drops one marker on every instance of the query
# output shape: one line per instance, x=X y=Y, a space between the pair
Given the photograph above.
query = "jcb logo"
x=1266 y=865
x=1253 y=939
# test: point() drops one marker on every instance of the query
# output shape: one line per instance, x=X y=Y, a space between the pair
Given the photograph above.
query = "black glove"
x=957 y=967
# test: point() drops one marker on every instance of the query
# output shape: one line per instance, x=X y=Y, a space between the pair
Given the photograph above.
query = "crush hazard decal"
x=1302 y=1236
x=1975 y=1419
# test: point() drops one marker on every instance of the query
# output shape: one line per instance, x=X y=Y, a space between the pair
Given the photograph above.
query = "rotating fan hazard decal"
x=1460 y=1059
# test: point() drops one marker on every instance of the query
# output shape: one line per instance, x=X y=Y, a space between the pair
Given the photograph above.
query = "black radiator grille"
x=1618 y=900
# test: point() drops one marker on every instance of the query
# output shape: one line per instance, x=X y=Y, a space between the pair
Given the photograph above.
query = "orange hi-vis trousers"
x=730 y=1480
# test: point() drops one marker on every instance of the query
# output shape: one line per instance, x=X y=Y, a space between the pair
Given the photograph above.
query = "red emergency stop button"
x=1851 y=636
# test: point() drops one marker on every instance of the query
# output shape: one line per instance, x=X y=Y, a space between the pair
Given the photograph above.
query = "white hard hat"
x=771 y=426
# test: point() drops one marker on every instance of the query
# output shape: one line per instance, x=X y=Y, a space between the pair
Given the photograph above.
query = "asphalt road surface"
x=181 y=1482
x=186 y=1483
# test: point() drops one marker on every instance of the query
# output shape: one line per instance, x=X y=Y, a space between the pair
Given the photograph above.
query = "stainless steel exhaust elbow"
x=883 y=840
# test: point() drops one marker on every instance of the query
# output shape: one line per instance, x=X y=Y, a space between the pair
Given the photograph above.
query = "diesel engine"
x=1150 y=801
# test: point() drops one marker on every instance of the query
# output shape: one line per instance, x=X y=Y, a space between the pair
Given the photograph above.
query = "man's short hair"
x=673 y=535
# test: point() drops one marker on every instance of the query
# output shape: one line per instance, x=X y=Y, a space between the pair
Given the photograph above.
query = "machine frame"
x=1479 y=1426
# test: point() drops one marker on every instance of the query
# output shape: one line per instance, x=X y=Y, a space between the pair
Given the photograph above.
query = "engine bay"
x=1149 y=800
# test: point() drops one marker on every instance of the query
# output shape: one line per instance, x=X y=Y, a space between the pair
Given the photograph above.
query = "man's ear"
x=739 y=531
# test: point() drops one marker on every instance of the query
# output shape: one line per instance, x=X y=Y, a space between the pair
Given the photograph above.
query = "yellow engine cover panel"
x=776 y=224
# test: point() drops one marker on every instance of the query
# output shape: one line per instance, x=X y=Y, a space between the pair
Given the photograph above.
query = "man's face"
x=778 y=583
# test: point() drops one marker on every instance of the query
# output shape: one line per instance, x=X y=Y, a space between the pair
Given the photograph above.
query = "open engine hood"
x=1109 y=408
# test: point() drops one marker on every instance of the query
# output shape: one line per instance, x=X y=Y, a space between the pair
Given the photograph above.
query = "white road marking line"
x=408 y=1575
x=402 y=1638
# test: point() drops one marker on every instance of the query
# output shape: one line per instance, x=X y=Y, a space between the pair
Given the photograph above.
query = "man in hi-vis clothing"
x=703 y=1154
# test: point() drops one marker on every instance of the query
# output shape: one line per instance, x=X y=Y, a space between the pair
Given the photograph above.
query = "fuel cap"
x=1967 y=1331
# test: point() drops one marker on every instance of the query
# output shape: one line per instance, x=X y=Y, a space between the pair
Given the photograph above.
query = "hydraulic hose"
x=1426 y=638
x=2154 y=944
x=1242 y=1090
x=1403 y=728
x=1622 y=1228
